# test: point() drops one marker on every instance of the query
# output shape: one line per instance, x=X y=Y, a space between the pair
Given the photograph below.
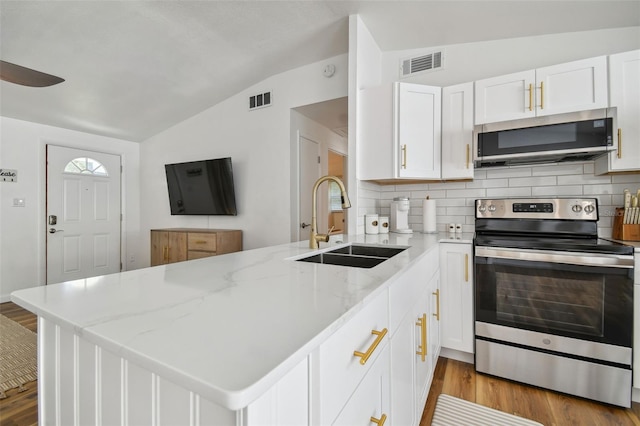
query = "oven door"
x=586 y=296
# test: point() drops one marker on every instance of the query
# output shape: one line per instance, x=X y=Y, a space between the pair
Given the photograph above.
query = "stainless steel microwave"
x=572 y=141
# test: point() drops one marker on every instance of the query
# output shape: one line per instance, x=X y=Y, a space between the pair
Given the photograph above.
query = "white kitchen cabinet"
x=624 y=96
x=557 y=89
x=338 y=369
x=457 y=132
x=369 y=404
x=401 y=125
x=415 y=342
x=456 y=304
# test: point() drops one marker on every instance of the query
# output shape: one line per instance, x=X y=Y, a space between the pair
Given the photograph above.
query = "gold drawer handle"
x=380 y=421
x=404 y=156
x=468 y=155
x=422 y=348
x=437 y=295
x=364 y=357
x=619 y=143
x=466 y=267
x=200 y=242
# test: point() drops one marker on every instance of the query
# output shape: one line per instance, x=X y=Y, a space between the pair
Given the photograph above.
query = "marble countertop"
x=226 y=327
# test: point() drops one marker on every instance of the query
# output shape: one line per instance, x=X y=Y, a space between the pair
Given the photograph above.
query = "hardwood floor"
x=460 y=379
x=451 y=377
x=20 y=408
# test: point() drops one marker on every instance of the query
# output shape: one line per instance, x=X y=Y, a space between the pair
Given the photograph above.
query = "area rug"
x=452 y=411
x=18 y=355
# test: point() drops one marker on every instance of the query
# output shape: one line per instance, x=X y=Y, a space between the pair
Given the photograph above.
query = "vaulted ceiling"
x=135 y=68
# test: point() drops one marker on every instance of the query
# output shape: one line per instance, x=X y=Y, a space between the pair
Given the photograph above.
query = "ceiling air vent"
x=429 y=62
x=260 y=100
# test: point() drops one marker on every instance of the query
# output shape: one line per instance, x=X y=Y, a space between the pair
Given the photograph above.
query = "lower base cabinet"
x=415 y=339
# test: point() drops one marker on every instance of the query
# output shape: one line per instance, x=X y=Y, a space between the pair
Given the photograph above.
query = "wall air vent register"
x=260 y=100
x=429 y=62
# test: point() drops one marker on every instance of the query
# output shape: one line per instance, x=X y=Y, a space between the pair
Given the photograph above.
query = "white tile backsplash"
x=456 y=200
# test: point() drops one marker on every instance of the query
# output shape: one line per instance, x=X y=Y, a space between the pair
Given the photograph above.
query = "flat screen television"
x=201 y=187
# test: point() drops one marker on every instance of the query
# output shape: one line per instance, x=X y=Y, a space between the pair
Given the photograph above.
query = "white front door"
x=83 y=214
x=309 y=172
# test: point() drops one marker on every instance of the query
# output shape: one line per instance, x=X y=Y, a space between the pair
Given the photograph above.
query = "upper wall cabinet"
x=624 y=95
x=570 y=87
x=400 y=132
x=457 y=131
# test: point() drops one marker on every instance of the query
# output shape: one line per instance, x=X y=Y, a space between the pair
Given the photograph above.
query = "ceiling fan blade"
x=26 y=76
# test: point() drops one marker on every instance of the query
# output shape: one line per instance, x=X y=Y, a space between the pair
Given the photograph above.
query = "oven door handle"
x=572 y=258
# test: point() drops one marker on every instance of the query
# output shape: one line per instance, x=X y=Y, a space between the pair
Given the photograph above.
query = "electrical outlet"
x=18 y=202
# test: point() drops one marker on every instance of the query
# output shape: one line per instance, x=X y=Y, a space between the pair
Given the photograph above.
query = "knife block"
x=622 y=231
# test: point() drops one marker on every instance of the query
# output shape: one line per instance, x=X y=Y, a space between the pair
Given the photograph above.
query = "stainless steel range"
x=553 y=302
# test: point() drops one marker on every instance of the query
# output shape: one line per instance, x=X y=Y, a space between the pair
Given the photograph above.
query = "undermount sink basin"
x=355 y=255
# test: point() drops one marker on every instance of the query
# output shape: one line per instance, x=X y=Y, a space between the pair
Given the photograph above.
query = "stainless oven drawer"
x=550 y=256
x=599 y=382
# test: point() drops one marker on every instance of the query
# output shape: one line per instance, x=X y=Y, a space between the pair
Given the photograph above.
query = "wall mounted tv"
x=201 y=187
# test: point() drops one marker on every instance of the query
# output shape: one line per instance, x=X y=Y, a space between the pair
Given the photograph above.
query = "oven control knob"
x=589 y=208
x=576 y=208
x=492 y=208
x=482 y=208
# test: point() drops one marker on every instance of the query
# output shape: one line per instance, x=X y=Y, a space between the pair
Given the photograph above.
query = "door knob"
x=54 y=230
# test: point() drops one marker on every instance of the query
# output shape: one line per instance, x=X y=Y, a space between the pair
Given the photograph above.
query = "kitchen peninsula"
x=230 y=338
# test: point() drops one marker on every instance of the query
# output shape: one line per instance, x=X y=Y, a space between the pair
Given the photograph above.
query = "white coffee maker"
x=399 y=220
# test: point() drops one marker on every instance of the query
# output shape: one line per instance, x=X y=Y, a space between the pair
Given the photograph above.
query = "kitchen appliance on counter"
x=553 y=302
x=399 y=219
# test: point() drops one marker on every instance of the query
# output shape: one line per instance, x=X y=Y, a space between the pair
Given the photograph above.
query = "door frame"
x=122 y=254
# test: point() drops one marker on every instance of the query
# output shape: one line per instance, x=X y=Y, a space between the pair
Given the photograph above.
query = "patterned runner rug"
x=18 y=355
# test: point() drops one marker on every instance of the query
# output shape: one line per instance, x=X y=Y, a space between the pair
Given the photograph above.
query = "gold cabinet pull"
x=404 y=156
x=466 y=267
x=380 y=421
x=201 y=242
x=468 y=154
x=165 y=253
x=437 y=295
x=542 y=95
x=530 y=97
x=364 y=357
x=422 y=347
x=619 y=143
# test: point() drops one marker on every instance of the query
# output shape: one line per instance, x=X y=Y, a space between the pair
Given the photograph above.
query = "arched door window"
x=86 y=166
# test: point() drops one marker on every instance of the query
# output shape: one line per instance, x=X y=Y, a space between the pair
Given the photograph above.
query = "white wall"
x=474 y=61
x=258 y=142
x=22 y=229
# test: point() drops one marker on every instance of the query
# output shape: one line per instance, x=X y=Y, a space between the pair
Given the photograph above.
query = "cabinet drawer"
x=195 y=254
x=371 y=398
x=201 y=241
x=340 y=370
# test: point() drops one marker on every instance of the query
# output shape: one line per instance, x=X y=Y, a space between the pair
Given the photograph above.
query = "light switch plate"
x=18 y=202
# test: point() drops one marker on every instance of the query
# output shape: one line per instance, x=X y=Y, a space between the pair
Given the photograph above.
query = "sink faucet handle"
x=331 y=230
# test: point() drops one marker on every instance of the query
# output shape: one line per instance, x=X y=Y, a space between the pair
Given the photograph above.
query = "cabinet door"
x=507 y=97
x=435 y=321
x=624 y=83
x=371 y=399
x=403 y=354
x=417 y=114
x=424 y=366
x=574 y=86
x=159 y=242
x=456 y=296
x=457 y=131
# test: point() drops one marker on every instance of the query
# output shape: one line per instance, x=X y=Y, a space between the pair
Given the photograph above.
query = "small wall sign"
x=8 y=175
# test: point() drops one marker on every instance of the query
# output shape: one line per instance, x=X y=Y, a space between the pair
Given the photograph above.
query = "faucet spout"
x=314 y=237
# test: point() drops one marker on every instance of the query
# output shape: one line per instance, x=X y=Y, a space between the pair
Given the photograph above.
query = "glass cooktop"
x=582 y=245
